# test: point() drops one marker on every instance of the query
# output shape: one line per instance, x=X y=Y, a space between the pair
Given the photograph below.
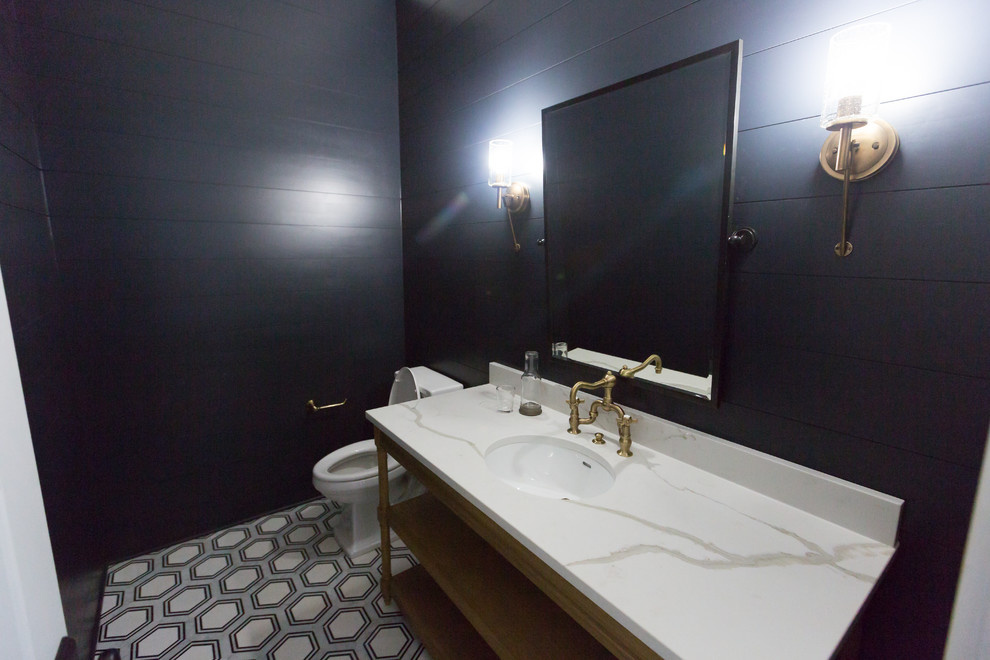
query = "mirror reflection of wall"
x=638 y=180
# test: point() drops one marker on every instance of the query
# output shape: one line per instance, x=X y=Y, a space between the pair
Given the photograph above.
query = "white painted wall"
x=31 y=620
x=969 y=633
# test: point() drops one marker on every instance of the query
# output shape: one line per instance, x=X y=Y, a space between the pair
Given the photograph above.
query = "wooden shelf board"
x=442 y=629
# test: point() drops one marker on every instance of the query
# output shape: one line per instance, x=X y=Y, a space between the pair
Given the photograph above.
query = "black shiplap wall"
x=27 y=256
x=31 y=281
x=874 y=368
x=223 y=187
x=26 y=252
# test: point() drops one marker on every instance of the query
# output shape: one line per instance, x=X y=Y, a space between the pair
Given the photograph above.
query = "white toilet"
x=349 y=476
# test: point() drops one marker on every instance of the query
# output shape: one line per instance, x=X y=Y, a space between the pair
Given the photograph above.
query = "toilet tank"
x=432 y=382
x=413 y=383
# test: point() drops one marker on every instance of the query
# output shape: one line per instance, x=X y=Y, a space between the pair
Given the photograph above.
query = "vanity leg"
x=383 y=518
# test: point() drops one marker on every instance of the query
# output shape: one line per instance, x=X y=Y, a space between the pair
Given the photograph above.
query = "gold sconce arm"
x=843 y=159
x=516 y=197
x=315 y=408
x=626 y=372
x=515 y=242
x=854 y=153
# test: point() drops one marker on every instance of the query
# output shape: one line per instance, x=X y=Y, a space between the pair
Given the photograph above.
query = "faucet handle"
x=625 y=438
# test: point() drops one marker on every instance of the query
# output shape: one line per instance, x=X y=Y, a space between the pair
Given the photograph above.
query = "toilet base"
x=356 y=527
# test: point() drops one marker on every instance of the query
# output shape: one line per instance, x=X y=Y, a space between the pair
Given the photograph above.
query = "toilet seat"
x=356 y=463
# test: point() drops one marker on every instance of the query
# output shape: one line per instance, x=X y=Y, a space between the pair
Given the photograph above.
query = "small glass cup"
x=506 y=395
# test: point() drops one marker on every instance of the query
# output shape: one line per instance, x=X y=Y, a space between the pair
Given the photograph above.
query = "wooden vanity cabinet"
x=477 y=591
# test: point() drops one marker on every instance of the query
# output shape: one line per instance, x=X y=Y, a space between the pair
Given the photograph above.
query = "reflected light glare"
x=534 y=164
x=443 y=218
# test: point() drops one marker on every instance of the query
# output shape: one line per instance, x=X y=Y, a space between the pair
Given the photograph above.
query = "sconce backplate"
x=516 y=197
x=873 y=147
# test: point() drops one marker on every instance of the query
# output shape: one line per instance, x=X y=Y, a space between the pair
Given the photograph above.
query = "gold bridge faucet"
x=606 y=404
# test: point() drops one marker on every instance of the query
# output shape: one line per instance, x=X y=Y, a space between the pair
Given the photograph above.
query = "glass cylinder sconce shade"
x=500 y=163
x=856 y=68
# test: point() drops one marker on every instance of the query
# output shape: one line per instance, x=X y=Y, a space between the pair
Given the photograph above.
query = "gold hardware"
x=314 y=408
x=515 y=243
x=516 y=198
x=626 y=372
x=599 y=439
x=843 y=158
x=625 y=437
x=605 y=403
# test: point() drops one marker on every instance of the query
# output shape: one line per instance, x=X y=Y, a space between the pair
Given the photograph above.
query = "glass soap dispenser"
x=530 y=390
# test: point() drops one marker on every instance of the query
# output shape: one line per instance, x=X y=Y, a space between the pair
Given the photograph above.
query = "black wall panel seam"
x=21 y=208
x=885 y=101
x=752 y=343
x=205 y=260
x=829 y=29
x=853 y=278
x=336 y=15
x=405 y=63
x=212 y=221
x=81 y=128
x=218 y=184
x=186 y=58
x=854 y=194
x=192 y=100
x=896 y=448
x=17 y=155
x=557 y=63
x=430 y=45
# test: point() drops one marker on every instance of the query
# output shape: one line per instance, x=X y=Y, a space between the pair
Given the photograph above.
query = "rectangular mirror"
x=638 y=183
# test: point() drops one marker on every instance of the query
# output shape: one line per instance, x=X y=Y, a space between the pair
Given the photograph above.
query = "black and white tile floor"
x=276 y=588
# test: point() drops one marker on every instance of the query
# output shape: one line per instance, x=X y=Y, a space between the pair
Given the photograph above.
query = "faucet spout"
x=626 y=372
x=604 y=404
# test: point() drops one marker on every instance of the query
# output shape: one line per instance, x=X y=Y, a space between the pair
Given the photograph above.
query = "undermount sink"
x=549 y=467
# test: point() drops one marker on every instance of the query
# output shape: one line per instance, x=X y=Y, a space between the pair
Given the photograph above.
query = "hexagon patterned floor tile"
x=277 y=588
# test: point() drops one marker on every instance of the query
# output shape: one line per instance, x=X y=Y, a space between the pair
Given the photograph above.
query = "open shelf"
x=507 y=610
x=435 y=620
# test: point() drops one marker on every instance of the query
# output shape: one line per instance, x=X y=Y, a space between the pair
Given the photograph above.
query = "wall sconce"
x=516 y=195
x=862 y=144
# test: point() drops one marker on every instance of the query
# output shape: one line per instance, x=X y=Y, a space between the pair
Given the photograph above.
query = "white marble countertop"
x=695 y=564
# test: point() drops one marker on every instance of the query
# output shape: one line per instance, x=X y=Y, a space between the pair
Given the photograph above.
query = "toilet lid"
x=404 y=388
